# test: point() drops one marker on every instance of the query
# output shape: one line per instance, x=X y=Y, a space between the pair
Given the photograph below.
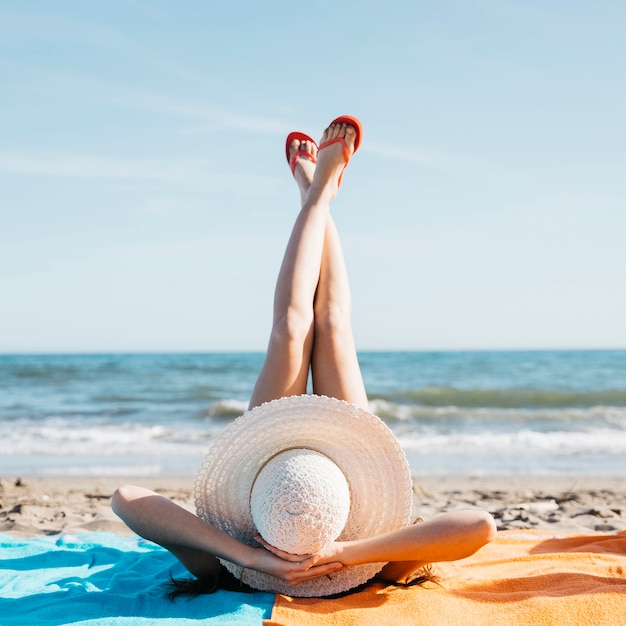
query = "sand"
x=49 y=506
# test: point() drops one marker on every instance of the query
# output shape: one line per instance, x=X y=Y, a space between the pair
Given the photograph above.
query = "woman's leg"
x=335 y=366
x=311 y=325
x=286 y=367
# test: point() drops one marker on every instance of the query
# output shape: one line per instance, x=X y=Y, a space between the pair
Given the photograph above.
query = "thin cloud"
x=38 y=26
x=101 y=92
x=457 y=165
x=197 y=174
x=48 y=86
x=88 y=166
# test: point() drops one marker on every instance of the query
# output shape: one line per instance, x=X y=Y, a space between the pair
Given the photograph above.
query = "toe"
x=294 y=146
x=350 y=136
x=330 y=133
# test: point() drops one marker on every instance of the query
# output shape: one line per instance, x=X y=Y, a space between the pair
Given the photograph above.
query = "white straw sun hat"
x=304 y=471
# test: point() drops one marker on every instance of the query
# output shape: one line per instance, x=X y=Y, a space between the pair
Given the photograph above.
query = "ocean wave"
x=226 y=409
x=477 y=431
x=451 y=416
x=505 y=398
x=71 y=438
x=524 y=442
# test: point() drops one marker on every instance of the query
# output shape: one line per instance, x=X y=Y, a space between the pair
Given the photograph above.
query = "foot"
x=337 y=146
x=304 y=166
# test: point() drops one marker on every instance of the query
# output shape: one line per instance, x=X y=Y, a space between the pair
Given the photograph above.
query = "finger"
x=321 y=570
x=305 y=564
x=310 y=561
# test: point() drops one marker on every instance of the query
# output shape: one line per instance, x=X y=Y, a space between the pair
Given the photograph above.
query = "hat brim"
x=362 y=446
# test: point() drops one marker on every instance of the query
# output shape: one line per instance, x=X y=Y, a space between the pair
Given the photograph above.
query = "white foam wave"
x=602 y=441
x=62 y=437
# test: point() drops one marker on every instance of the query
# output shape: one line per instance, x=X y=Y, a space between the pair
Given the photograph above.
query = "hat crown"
x=300 y=501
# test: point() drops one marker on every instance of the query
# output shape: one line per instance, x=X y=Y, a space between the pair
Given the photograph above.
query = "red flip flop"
x=356 y=124
x=300 y=153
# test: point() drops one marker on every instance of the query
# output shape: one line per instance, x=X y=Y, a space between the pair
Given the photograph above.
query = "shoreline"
x=32 y=506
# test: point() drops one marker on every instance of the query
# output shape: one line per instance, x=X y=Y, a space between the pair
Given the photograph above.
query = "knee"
x=293 y=328
x=331 y=321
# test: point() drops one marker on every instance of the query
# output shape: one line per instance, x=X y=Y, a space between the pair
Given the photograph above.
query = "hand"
x=331 y=553
x=293 y=568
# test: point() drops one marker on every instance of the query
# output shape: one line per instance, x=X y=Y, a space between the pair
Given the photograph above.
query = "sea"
x=517 y=413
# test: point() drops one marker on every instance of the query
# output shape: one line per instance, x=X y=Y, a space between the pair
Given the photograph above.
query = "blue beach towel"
x=103 y=578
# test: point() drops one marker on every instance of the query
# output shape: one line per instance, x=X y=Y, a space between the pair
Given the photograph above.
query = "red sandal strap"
x=299 y=155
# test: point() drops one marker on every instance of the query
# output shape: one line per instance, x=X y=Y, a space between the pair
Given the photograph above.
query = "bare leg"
x=287 y=363
x=335 y=366
x=313 y=270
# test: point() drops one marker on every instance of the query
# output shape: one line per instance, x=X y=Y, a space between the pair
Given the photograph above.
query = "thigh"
x=285 y=371
x=336 y=369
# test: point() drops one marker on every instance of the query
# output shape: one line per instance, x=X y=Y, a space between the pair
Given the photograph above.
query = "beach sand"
x=48 y=506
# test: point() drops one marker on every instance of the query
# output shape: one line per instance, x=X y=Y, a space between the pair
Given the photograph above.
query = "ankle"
x=321 y=192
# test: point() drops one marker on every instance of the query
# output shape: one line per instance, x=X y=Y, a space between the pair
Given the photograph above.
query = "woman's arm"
x=197 y=544
x=448 y=537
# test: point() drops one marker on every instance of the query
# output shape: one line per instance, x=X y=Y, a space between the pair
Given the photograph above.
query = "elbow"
x=122 y=497
x=118 y=500
x=486 y=528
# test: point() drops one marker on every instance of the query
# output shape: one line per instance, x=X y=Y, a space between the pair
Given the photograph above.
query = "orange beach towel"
x=523 y=577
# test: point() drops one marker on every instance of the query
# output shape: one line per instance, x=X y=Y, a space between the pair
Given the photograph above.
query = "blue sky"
x=145 y=199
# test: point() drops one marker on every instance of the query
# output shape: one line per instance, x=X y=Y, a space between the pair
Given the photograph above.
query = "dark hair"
x=419 y=577
x=193 y=587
